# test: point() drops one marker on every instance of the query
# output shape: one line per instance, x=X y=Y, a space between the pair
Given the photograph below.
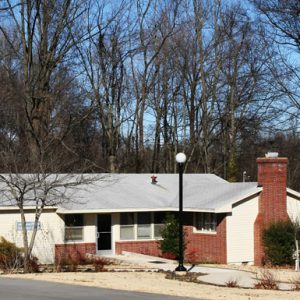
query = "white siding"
x=115 y=231
x=240 y=232
x=51 y=233
x=293 y=208
x=89 y=229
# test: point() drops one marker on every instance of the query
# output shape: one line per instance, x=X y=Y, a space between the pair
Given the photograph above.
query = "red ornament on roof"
x=154 y=181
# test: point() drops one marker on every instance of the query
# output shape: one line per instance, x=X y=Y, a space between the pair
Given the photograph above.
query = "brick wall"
x=207 y=247
x=200 y=246
x=73 y=251
x=272 y=173
x=142 y=247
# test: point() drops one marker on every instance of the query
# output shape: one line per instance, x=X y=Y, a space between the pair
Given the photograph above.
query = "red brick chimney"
x=272 y=207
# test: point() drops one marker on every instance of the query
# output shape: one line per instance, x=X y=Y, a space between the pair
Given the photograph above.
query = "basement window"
x=74 y=227
x=205 y=222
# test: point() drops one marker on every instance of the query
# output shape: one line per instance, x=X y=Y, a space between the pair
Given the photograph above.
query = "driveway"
x=216 y=276
x=21 y=289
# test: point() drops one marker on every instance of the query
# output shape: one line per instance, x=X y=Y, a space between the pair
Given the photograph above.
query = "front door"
x=104 y=232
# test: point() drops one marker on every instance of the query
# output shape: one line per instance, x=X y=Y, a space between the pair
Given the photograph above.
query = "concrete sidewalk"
x=216 y=276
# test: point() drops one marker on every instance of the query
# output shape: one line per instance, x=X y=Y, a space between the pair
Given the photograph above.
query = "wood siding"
x=240 y=235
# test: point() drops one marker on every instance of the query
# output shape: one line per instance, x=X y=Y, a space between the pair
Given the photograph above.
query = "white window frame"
x=135 y=228
x=211 y=223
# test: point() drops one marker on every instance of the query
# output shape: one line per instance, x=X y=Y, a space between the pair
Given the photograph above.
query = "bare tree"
x=39 y=190
x=150 y=41
x=282 y=20
x=284 y=17
x=41 y=35
x=103 y=57
x=42 y=39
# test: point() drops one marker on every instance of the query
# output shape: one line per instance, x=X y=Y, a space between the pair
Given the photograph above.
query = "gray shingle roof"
x=125 y=192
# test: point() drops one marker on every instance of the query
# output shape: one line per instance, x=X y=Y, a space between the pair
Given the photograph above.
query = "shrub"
x=70 y=263
x=11 y=257
x=34 y=265
x=232 y=283
x=296 y=283
x=266 y=281
x=99 y=263
x=170 y=237
x=279 y=243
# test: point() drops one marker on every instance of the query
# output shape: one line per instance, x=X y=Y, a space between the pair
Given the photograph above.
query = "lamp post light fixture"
x=180 y=159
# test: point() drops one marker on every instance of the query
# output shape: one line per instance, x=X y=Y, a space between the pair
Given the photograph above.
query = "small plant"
x=33 y=265
x=68 y=263
x=71 y=262
x=232 y=283
x=296 y=283
x=266 y=281
x=99 y=263
x=11 y=257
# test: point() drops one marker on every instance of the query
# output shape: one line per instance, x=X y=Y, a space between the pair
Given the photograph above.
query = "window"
x=74 y=227
x=127 y=226
x=206 y=222
x=159 y=218
x=144 y=225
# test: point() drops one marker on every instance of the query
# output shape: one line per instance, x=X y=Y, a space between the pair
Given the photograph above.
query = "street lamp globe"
x=180 y=158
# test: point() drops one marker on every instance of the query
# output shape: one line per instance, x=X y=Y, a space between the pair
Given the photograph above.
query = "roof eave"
x=228 y=207
x=293 y=193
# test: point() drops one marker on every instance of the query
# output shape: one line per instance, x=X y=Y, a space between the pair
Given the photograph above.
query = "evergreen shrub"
x=279 y=243
x=169 y=245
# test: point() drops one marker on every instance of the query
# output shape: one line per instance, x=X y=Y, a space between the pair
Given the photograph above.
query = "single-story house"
x=223 y=221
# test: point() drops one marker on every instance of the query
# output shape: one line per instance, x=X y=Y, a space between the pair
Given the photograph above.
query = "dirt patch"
x=156 y=282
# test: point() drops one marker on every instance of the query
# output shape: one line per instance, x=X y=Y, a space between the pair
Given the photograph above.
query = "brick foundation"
x=73 y=251
x=272 y=173
x=142 y=247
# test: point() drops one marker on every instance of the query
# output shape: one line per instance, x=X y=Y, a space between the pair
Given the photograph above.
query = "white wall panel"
x=89 y=230
x=293 y=208
x=50 y=233
x=240 y=232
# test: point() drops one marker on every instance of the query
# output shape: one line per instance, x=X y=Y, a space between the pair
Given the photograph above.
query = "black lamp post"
x=180 y=159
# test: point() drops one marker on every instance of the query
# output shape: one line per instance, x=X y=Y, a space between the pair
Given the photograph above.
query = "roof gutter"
x=64 y=211
x=12 y=208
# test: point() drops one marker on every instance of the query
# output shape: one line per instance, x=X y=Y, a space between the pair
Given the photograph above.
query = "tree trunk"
x=25 y=240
